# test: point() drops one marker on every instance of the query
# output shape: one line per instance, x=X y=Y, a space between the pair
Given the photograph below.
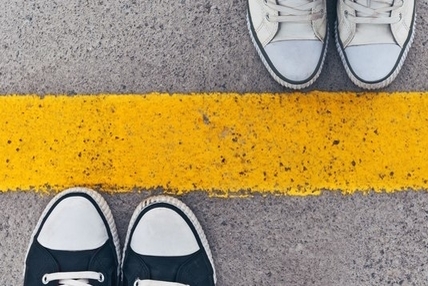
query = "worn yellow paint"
x=225 y=144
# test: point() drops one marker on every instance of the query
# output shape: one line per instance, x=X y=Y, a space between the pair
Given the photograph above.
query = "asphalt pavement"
x=130 y=46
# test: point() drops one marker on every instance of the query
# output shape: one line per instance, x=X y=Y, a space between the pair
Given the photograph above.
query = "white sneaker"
x=373 y=38
x=290 y=37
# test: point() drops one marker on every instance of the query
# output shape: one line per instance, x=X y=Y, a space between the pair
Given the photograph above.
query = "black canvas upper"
x=194 y=270
x=41 y=260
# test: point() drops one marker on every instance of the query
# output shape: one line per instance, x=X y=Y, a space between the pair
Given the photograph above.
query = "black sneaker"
x=75 y=243
x=165 y=245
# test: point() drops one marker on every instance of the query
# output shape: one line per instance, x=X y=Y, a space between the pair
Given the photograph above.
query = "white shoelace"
x=156 y=283
x=296 y=10
x=374 y=11
x=73 y=278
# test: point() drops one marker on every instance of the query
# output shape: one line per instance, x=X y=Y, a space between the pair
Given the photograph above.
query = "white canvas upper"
x=163 y=232
x=273 y=25
x=363 y=22
x=290 y=36
x=74 y=224
x=373 y=38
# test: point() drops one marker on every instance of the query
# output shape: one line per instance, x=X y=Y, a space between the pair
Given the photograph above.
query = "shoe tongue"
x=294 y=30
x=72 y=261
x=303 y=2
x=374 y=4
x=373 y=33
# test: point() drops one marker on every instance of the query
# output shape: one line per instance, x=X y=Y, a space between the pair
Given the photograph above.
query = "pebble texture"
x=130 y=46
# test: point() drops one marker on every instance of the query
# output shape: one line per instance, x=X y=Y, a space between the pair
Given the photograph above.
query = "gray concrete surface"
x=133 y=46
x=338 y=240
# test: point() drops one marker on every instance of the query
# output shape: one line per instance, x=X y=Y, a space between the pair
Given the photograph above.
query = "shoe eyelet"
x=346 y=13
x=101 y=279
x=136 y=283
x=267 y=17
x=400 y=16
x=265 y=2
x=45 y=280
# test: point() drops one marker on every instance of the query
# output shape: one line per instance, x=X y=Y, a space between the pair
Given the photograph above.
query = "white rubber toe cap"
x=295 y=60
x=163 y=232
x=74 y=224
x=373 y=62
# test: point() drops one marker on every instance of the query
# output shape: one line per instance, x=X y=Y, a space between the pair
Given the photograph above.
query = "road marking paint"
x=223 y=143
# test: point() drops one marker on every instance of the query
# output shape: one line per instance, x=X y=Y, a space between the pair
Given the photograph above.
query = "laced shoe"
x=290 y=37
x=373 y=38
x=75 y=243
x=166 y=246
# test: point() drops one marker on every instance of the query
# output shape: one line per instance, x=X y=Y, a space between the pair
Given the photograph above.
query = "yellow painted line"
x=225 y=144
